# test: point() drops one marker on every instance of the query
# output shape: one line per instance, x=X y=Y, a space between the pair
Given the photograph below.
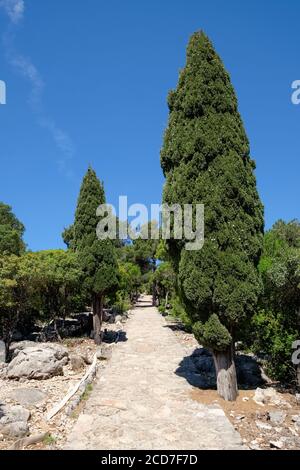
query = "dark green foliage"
x=45 y=285
x=165 y=281
x=177 y=311
x=57 y=278
x=11 y=232
x=213 y=334
x=129 y=285
x=68 y=236
x=144 y=248
x=277 y=322
x=206 y=159
x=97 y=258
x=270 y=337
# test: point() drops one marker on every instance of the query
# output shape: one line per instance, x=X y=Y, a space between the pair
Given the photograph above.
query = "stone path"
x=139 y=402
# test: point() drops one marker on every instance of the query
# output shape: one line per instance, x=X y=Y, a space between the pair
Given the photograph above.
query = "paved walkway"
x=139 y=402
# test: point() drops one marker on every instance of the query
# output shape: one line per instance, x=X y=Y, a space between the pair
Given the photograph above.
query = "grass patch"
x=86 y=394
x=49 y=440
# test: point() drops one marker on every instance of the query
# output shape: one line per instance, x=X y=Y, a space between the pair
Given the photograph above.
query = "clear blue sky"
x=106 y=69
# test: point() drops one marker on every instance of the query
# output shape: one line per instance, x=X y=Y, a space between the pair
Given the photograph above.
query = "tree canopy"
x=276 y=323
x=97 y=258
x=206 y=159
x=11 y=232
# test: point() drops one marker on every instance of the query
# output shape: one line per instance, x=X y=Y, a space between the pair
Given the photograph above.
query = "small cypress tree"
x=97 y=257
x=206 y=160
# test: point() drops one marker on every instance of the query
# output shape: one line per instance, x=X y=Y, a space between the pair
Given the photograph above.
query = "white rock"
x=277 y=444
x=279 y=430
x=277 y=417
x=39 y=362
x=13 y=421
x=254 y=445
x=27 y=396
x=268 y=395
x=293 y=431
x=77 y=362
x=296 y=419
x=240 y=417
x=263 y=426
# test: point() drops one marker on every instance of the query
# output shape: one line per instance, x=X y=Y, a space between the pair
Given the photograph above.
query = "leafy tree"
x=141 y=251
x=165 y=281
x=179 y=312
x=145 y=246
x=12 y=299
x=206 y=159
x=288 y=232
x=97 y=258
x=44 y=285
x=276 y=325
x=58 y=279
x=130 y=279
x=11 y=232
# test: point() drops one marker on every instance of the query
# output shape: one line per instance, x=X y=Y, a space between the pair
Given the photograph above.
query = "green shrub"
x=122 y=302
x=213 y=334
x=272 y=339
x=178 y=312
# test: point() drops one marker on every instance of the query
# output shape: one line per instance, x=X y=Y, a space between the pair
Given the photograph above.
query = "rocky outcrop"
x=77 y=362
x=38 y=362
x=266 y=396
x=27 y=396
x=15 y=348
x=14 y=421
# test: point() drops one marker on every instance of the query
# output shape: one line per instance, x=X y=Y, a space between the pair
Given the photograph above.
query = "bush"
x=271 y=338
x=178 y=312
x=213 y=334
x=121 y=302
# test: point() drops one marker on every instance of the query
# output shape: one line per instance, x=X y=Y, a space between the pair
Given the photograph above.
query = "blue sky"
x=87 y=83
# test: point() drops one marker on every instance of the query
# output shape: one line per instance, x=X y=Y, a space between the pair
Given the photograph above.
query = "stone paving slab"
x=139 y=402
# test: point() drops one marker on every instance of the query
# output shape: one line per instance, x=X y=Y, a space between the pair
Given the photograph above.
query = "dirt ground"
x=250 y=419
x=245 y=413
x=54 y=389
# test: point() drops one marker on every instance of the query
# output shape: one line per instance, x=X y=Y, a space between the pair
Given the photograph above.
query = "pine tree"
x=97 y=257
x=206 y=160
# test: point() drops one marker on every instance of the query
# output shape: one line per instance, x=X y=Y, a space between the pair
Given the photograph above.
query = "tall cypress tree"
x=97 y=257
x=206 y=159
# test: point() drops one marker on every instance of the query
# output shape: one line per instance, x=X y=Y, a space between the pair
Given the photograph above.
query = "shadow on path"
x=114 y=336
x=199 y=371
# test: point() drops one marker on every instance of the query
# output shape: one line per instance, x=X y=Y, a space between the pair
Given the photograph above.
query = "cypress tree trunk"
x=226 y=374
x=97 y=317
